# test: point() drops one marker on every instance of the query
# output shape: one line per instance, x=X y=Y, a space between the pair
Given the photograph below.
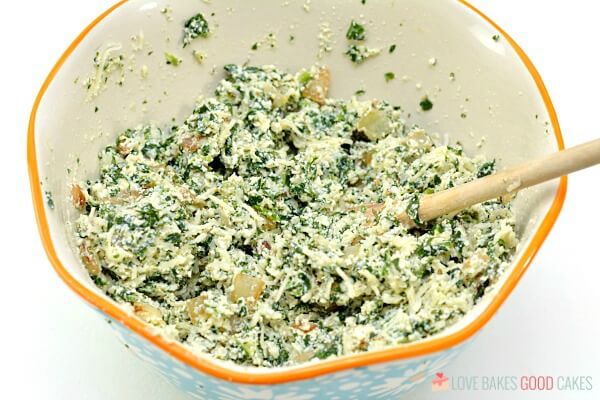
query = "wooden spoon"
x=506 y=182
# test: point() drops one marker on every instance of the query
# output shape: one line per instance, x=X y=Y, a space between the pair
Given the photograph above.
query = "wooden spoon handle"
x=506 y=182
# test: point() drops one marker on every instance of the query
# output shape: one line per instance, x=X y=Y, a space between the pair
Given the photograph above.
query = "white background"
x=54 y=347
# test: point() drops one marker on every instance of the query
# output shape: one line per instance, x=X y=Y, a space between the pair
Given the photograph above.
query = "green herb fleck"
x=356 y=31
x=354 y=54
x=412 y=209
x=304 y=77
x=456 y=149
x=100 y=283
x=172 y=59
x=49 y=200
x=389 y=76
x=195 y=27
x=486 y=169
x=360 y=92
x=496 y=37
x=426 y=104
x=327 y=352
x=254 y=46
x=150 y=215
x=358 y=54
x=174 y=238
x=392 y=48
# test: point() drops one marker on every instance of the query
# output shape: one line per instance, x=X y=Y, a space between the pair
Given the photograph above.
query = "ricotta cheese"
x=262 y=229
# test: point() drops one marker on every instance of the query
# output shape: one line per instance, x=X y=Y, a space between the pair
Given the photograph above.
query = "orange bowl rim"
x=207 y=366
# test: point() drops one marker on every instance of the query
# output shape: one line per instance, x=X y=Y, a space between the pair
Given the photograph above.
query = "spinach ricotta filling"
x=261 y=230
x=195 y=27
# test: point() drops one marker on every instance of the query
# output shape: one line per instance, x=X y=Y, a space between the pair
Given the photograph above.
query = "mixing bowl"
x=486 y=94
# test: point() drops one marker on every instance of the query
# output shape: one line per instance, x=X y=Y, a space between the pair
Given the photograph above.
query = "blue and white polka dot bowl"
x=486 y=94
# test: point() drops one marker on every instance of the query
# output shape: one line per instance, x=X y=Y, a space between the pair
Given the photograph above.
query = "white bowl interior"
x=503 y=113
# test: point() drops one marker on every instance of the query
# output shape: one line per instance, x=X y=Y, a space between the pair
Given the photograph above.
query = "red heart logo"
x=440 y=374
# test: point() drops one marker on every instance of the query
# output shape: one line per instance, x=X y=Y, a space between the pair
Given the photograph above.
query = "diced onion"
x=77 y=197
x=318 y=88
x=88 y=260
x=246 y=286
x=375 y=124
x=196 y=309
x=148 y=313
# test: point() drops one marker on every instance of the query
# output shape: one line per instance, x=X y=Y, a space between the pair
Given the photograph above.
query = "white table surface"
x=55 y=347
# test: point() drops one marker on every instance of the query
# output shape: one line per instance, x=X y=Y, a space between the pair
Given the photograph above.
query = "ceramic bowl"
x=485 y=91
